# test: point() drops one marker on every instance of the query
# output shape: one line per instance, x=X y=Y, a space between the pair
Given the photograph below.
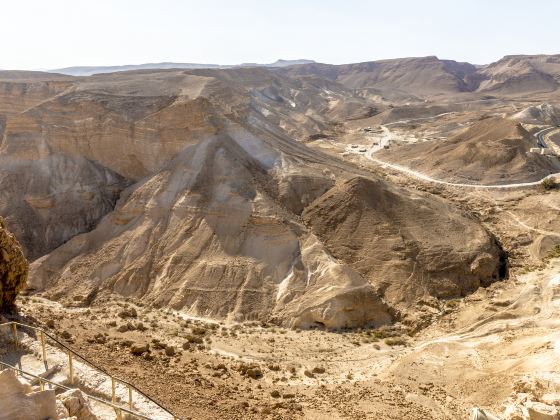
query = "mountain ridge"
x=91 y=70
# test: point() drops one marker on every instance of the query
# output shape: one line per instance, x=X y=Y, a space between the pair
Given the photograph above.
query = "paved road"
x=545 y=141
x=541 y=136
x=418 y=175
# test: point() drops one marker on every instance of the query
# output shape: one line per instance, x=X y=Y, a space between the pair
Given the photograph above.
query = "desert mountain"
x=90 y=70
x=78 y=147
x=491 y=151
x=419 y=76
x=522 y=74
x=216 y=233
x=186 y=189
x=429 y=76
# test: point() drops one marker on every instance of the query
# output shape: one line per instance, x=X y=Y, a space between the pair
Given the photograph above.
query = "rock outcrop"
x=539 y=114
x=13 y=268
x=532 y=399
x=19 y=401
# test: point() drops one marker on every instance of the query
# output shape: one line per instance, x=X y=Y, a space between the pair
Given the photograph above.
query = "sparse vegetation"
x=452 y=303
x=549 y=184
x=395 y=341
x=553 y=253
x=529 y=268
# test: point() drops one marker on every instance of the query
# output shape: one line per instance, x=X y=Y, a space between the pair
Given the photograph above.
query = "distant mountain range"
x=418 y=76
x=90 y=70
x=511 y=75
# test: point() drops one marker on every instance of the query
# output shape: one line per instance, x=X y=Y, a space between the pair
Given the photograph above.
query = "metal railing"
x=71 y=353
x=42 y=381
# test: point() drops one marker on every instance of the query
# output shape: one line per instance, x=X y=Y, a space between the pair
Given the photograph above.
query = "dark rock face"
x=13 y=268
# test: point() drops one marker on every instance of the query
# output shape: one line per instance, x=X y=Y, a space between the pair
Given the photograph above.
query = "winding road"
x=388 y=136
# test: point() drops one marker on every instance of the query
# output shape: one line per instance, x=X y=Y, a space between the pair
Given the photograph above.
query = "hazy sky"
x=46 y=34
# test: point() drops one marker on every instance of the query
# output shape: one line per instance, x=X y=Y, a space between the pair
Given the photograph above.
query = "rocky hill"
x=382 y=233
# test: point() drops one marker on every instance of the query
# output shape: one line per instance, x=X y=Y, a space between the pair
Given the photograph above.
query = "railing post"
x=42 y=335
x=70 y=367
x=41 y=384
x=14 y=332
x=130 y=397
x=114 y=397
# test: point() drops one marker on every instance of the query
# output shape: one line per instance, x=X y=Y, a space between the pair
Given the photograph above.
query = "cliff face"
x=66 y=158
x=13 y=268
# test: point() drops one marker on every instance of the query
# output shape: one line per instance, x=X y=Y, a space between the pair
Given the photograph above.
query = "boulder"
x=254 y=373
x=17 y=401
x=61 y=410
x=138 y=349
x=128 y=313
x=77 y=405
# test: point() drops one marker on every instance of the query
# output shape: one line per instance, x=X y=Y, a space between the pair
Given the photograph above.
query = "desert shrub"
x=395 y=341
x=452 y=303
x=553 y=253
x=529 y=268
x=384 y=332
x=548 y=184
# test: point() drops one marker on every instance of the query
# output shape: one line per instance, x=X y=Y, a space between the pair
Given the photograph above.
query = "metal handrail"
x=43 y=380
x=14 y=325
